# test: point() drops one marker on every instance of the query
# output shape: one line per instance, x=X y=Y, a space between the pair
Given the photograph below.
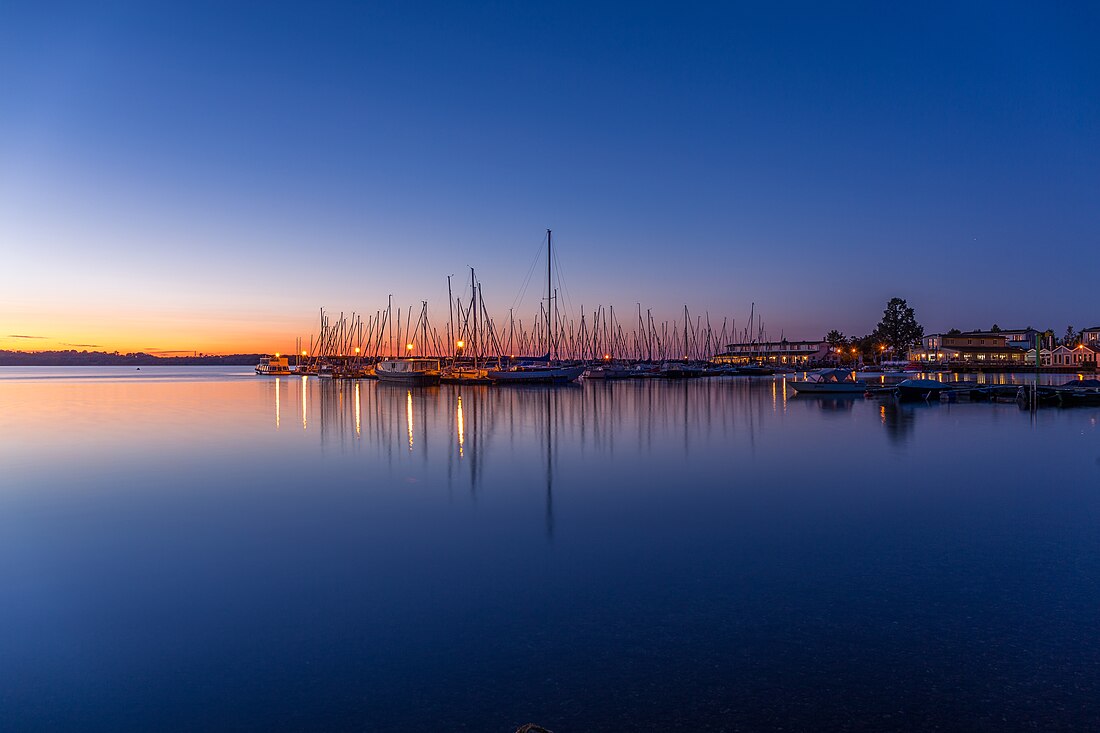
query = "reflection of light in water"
x=461 y=426
x=357 y=411
x=409 y=416
x=784 y=394
x=882 y=413
x=774 y=400
x=276 y=402
x=304 y=392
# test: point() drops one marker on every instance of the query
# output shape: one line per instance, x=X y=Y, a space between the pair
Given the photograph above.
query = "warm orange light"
x=460 y=344
x=409 y=347
x=356 y=349
x=276 y=354
x=303 y=353
x=606 y=356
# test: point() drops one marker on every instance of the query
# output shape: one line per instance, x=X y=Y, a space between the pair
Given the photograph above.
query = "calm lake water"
x=205 y=549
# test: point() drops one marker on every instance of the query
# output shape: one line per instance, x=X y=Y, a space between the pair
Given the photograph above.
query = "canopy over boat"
x=830 y=376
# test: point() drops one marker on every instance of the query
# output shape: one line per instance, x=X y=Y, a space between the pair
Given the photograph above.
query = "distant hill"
x=101 y=358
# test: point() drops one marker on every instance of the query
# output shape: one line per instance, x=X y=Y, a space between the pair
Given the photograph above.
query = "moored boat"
x=922 y=389
x=535 y=374
x=408 y=371
x=276 y=366
x=829 y=381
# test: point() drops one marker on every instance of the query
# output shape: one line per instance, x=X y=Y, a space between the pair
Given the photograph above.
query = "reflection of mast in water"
x=549 y=468
x=276 y=403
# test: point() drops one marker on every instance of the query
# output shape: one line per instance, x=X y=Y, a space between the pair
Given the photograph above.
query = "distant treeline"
x=101 y=358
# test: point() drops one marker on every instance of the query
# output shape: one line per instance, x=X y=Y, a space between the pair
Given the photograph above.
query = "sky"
x=179 y=177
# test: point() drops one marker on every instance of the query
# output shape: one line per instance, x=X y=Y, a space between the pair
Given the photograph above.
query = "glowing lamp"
x=408 y=347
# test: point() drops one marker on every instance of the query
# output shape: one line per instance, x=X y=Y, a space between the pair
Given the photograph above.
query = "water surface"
x=200 y=549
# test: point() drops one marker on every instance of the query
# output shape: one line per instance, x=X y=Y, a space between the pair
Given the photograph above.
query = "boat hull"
x=826 y=388
x=553 y=375
x=412 y=379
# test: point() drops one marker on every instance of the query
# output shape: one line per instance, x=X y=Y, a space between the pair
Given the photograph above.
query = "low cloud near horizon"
x=19 y=336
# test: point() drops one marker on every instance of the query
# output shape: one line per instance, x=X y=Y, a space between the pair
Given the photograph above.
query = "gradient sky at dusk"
x=205 y=176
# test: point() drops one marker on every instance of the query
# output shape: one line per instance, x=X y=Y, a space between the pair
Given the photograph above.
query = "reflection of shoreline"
x=467 y=425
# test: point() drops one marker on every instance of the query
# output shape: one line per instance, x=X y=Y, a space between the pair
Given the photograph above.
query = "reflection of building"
x=972 y=347
x=777 y=352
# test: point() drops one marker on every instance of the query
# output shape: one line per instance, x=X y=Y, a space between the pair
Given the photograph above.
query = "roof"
x=785 y=342
x=979 y=334
x=981 y=349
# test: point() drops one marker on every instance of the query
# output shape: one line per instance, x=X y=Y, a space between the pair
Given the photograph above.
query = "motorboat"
x=922 y=389
x=829 y=381
x=1079 y=392
x=274 y=366
x=408 y=371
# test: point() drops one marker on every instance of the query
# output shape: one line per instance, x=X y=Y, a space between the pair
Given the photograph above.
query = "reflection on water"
x=702 y=555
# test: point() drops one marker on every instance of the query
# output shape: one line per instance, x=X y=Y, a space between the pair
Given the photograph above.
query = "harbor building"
x=970 y=347
x=792 y=353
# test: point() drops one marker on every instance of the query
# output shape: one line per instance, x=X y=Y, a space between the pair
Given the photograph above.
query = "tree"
x=1071 y=337
x=898 y=328
x=836 y=339
x=995 y=329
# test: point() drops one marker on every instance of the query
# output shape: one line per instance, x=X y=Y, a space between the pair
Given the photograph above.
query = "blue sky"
x=205 y=175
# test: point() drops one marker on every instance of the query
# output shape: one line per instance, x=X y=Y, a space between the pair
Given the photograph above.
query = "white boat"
x=408 y=371
x=276 y=366
x=829 y=381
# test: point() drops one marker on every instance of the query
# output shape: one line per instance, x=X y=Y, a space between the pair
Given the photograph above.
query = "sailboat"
x=540 y=373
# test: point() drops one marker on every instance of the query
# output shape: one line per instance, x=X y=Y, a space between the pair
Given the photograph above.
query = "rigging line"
x=561 y=284
x=527 y=280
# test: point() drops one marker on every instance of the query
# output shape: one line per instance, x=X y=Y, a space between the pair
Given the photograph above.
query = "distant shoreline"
x=101 y=358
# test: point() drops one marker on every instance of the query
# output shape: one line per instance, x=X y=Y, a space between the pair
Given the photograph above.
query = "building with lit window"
x=988 y=348
x=792 y=353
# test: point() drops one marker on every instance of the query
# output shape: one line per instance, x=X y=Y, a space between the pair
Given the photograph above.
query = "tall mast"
x=549 y=293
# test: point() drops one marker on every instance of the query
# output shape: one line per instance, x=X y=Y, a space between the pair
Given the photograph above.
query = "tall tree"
x=836 y=339
x=898 y=328
x=1070 y=338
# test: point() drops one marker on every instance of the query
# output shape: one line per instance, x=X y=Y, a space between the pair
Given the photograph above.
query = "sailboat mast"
x=549 y=292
